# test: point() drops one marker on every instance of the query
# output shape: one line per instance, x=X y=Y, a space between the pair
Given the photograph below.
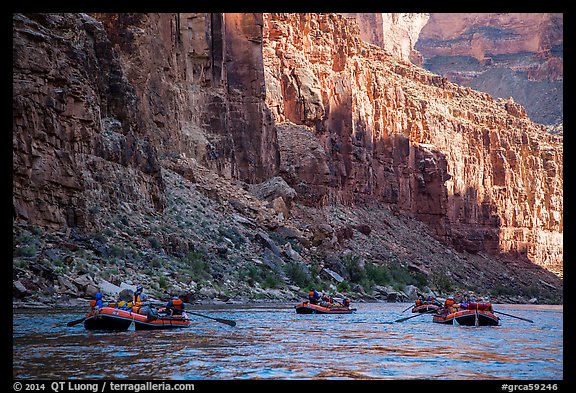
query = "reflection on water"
x=273 y=342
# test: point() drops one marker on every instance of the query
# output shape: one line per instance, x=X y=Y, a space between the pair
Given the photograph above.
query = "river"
x=272 y=342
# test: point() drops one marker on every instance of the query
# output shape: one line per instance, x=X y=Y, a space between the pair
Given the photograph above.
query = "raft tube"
x=425 y=308
x=468 y=318
x=308 y=308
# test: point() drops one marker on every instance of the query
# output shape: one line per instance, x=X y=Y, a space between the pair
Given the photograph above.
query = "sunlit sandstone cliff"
x=101 y=104
x=476 y=169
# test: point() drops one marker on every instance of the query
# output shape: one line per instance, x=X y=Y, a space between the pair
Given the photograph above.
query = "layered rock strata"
x=475 y=169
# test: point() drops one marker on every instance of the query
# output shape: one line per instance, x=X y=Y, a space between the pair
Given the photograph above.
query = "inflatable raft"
x=109 y=318
x=308 y=308
x=475 y=314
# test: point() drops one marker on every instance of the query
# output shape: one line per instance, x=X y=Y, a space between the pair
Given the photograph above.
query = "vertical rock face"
x=77 y=134
x=200 y=77
x=505 y=54
x=98 y=100
x=395 y=32
x=251 y=122
x=475 y=169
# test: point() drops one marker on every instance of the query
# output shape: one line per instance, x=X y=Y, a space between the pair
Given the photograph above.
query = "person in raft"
x=465 y=301
x=450 y=306
x=345 y=304
x=175 y=306
x=97 y=302
x=420 y=300
x=137 y=299
x=313 y=296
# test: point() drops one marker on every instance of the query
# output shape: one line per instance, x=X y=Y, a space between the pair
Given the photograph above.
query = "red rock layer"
x=475 y=169
x=516 y=55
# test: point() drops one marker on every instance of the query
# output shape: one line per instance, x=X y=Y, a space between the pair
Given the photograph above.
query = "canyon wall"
x=102 y=102
x=516 y=55
x=99 y=100
x=475 y=169
x=79 y=142
x=395 y=32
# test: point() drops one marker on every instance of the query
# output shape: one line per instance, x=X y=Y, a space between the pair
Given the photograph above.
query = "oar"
x=513 y=316
x=221 y=320
x=409 y=307
x=414 y=316
x=76 y=322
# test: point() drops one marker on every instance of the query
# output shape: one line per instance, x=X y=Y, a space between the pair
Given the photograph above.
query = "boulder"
x=19 y=290
x=333 y=275
x=411 y=292
x=272 y=189
x=268 y=243
x=107 y=288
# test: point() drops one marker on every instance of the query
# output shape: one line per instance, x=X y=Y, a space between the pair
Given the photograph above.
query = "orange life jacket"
x=449 y=302
x=136 y=303
x=177 y=304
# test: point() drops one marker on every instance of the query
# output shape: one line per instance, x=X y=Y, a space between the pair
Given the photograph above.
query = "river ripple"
x=271 y=341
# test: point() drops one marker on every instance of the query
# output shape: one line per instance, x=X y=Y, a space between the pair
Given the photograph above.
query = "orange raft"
x=475 y=314
x=109 y=318
x=308 y=308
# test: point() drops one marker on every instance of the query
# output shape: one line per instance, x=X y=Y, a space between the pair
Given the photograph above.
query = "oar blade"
x=514 y=316
x=227 y=322
x=221 y=320
x=76 y=322
x=414 y=316
x=407 y=318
